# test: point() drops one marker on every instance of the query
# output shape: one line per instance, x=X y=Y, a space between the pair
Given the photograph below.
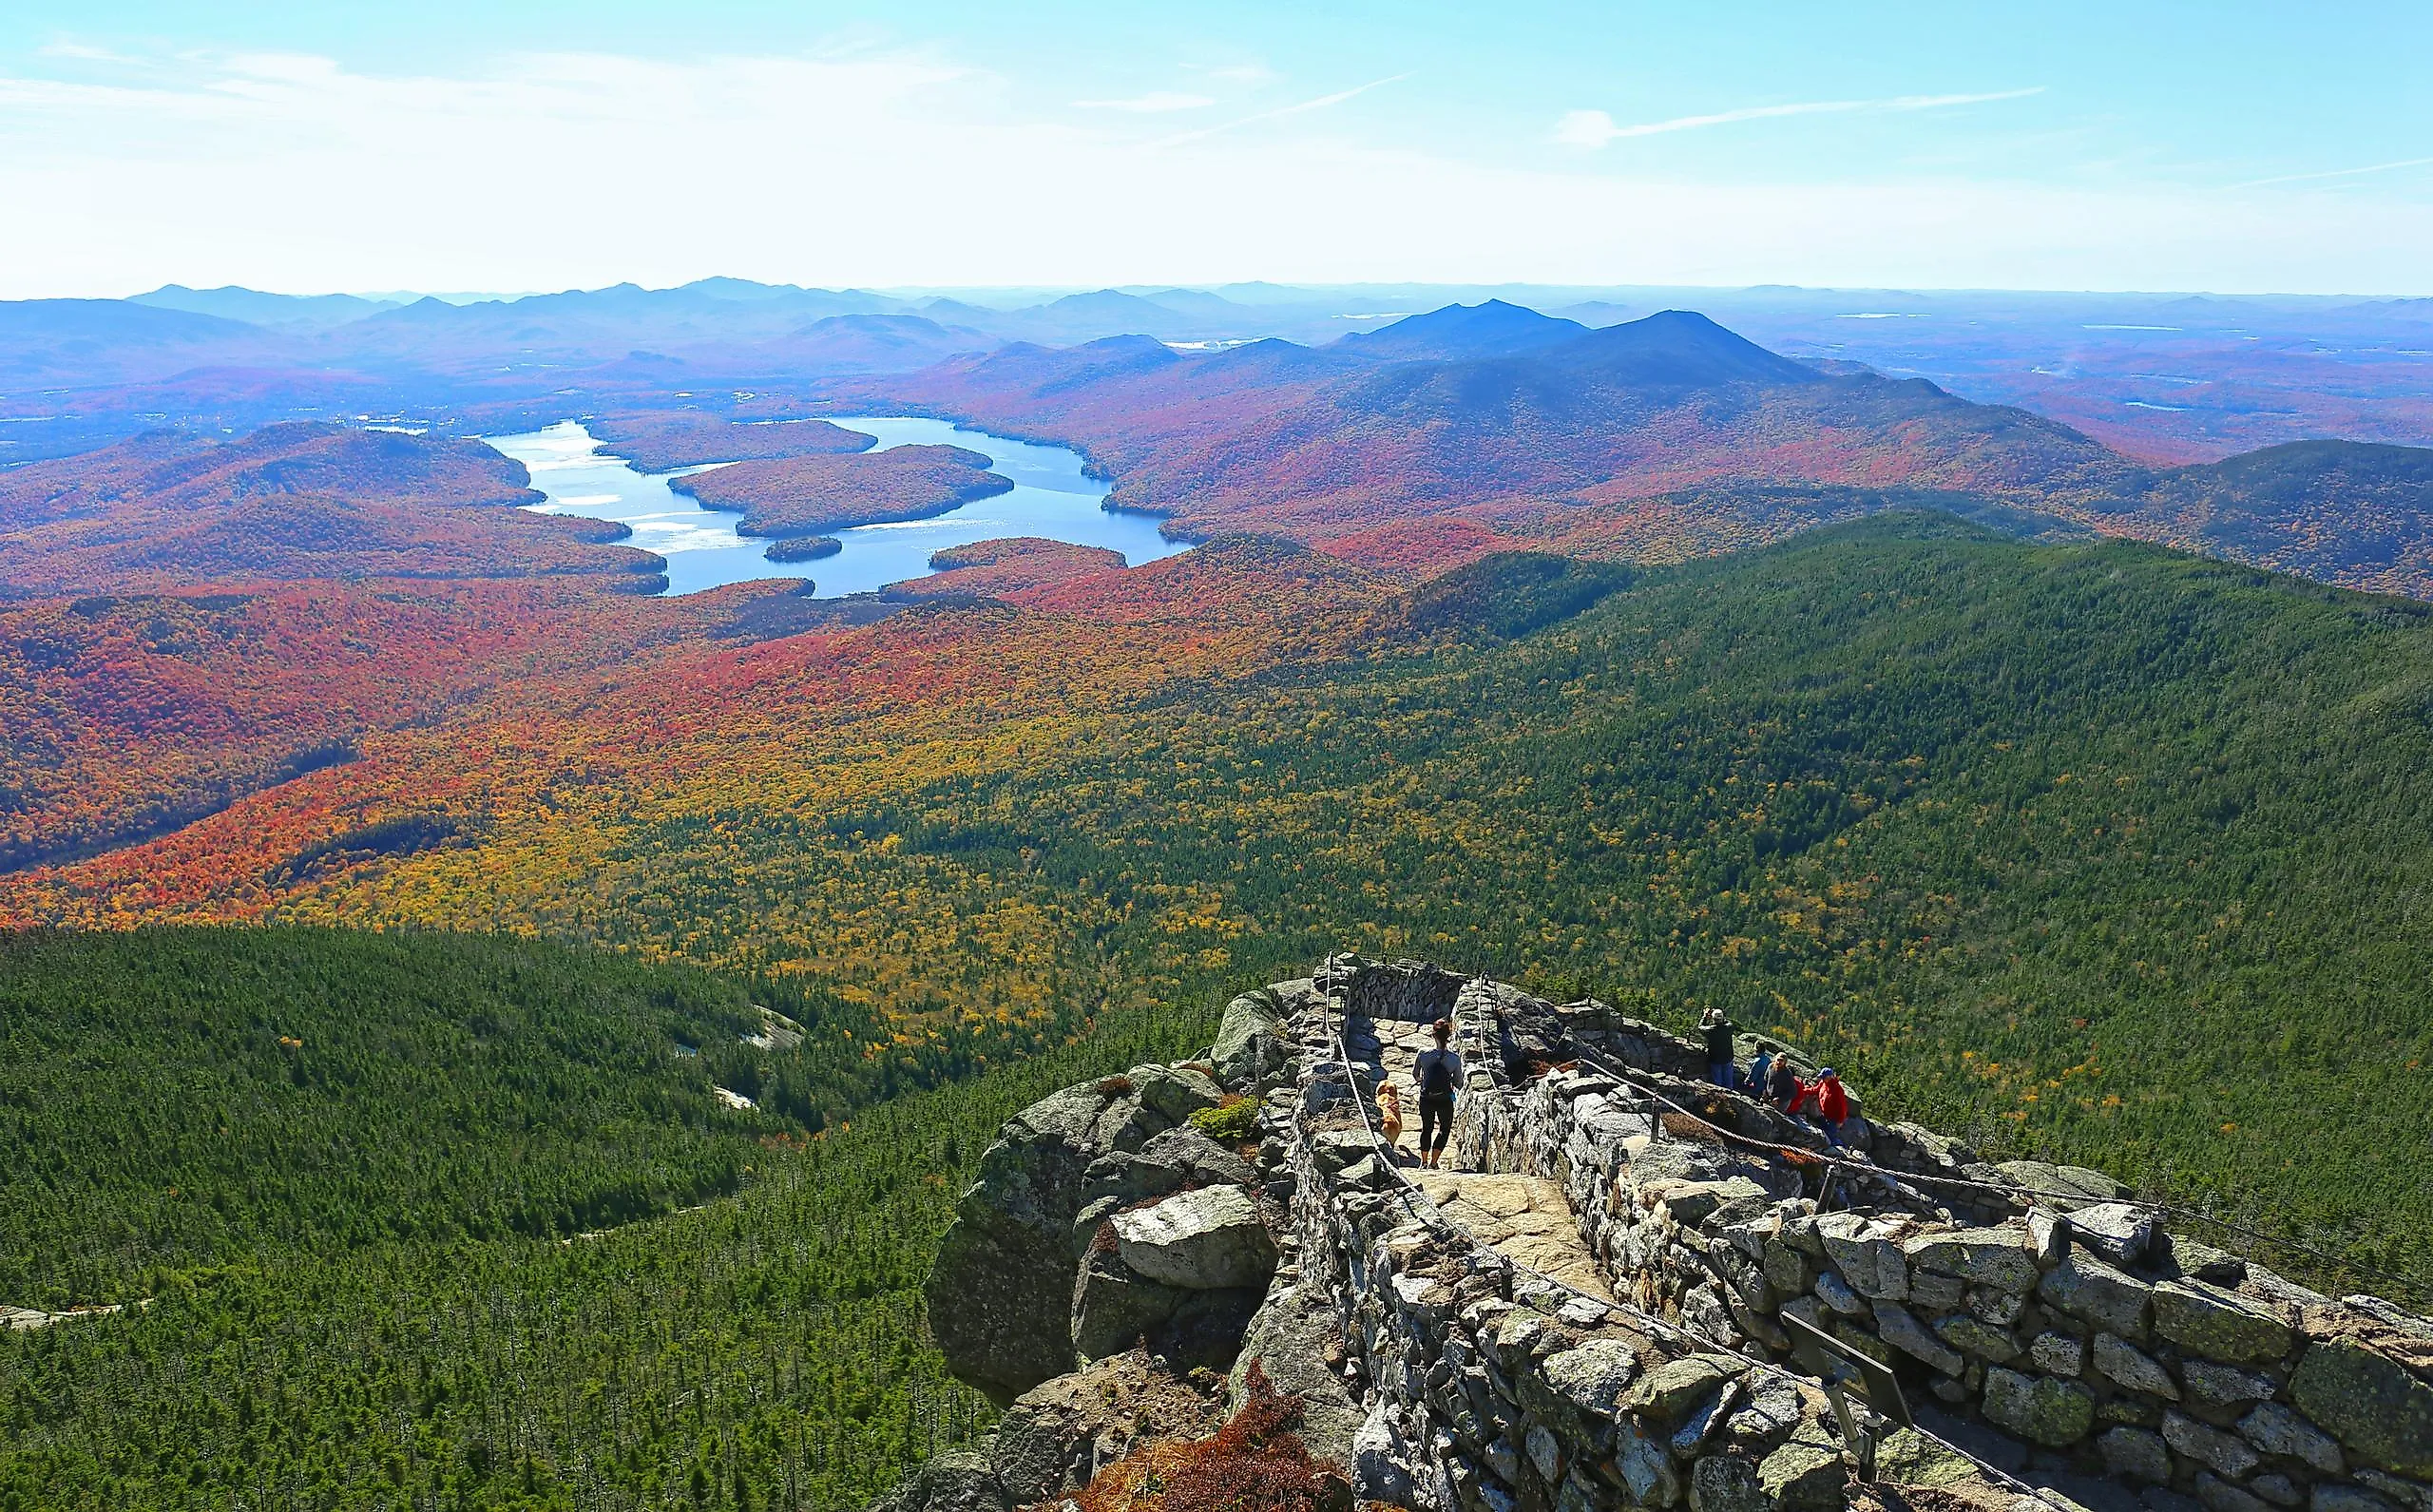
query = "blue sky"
x=2229 y=146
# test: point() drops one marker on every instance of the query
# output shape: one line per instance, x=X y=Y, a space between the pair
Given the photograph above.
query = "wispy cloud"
x=1321 y=103
x=2334 y=173
x=82 y=52
x=1595 y=128
x=1156 y=101
x=1244 y=73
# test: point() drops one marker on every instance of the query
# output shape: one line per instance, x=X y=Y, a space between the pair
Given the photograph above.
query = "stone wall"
x=1112 y=1260
x=1490 y=1390
x=2069 y=1321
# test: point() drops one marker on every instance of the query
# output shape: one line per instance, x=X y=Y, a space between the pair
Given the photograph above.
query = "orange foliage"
x=1253 y=1463
x=999 y=568
x=136 y=712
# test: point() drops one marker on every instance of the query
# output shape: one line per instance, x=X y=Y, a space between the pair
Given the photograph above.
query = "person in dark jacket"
x=1439 y=1075
x=1782 y=1083
x=1719 y=1031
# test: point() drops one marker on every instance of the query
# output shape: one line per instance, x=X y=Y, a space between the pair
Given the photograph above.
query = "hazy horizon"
x=2237 y=148
x=1021 y=293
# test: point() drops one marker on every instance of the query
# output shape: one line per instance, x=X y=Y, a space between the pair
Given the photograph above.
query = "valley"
x=407 y=838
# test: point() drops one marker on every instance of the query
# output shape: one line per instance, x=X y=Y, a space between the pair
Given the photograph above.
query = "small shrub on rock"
x=1230 y=1122
x=1253 y=1463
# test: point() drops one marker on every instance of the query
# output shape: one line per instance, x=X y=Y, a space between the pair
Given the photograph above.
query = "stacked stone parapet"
x=2061 y=1331
x=2031 y=1299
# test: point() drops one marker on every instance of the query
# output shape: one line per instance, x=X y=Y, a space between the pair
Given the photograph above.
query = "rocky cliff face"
x=1142 y=1256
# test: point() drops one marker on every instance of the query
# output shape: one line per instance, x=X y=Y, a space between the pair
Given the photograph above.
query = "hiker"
x=1827 y=1103
x=1719 y=1031
x=1439 y=1075
x=1783 y=1084
x=1758 y=1069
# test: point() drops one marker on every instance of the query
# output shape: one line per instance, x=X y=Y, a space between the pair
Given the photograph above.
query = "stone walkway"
x=1527 y=1218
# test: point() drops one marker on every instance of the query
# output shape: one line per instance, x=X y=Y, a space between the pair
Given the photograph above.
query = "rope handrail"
x=2417 y=1291
x=1432 y=1217
x=1634 y=1077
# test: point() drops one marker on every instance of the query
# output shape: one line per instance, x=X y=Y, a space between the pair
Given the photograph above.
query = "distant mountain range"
x=2174 y=378
x=1336 y=418
x=1531 y=431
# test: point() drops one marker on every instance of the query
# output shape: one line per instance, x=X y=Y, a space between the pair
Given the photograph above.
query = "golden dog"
x=1389 y=1115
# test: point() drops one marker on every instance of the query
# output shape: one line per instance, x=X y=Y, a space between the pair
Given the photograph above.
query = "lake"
x=1050 y=498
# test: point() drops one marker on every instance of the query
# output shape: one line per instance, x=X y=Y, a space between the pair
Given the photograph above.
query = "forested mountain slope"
x=168 y=510
x=1668 y=433
x=352 y=1181
x=2110 y=851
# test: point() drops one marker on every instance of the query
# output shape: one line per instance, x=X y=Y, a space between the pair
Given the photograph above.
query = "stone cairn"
x=1115 y=1276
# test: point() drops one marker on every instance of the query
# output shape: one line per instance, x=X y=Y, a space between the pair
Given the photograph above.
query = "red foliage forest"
x=168 y=511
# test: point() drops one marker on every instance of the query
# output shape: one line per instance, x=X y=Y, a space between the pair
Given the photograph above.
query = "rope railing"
x=1433 y=1217
x=2006 y=1189
x=2418 y=1291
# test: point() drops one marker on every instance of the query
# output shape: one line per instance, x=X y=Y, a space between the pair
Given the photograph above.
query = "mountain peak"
x=1678 y=349
x=1463 y=332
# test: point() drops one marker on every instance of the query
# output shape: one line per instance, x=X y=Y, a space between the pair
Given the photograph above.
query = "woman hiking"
x=1439 y=1075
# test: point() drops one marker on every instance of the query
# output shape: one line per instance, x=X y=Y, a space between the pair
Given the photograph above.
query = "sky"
x=2229 y=146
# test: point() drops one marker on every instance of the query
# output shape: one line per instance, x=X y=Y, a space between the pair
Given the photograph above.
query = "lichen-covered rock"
x=1113 y=1307
x=960 y=1479
x=1803 y=1476
x=1297 y=1343
x=2276 y=1430
x=1971 y=1337
x=2124 y=1365
x=1381 y=1461
x=1201 y=1240
x=2411 y=1495
x=1836 y=1294
x=2058 y=1355
x=1001 y=1291
x=1995 y=1257
x=2134 y=1454
x=1593 y=1377
x=1897 y=1327
x=1249 y=1046
x=1058 y=1433
x=2219 y=1325
x=1910 y=1458
x=2224 y=1453
x=1726 y=1483
x=1671 y=1390
x=1174 y=1092
x=1864 y=1250
x=2038 y=1408
x=2383 y=1414
x=2088 y=1289
x=2212 y=1386
x=2120 y=1231
x=2070 y=1185
x=1645 y=1466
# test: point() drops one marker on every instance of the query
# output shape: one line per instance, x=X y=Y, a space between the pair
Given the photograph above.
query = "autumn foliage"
x=1253 y=1463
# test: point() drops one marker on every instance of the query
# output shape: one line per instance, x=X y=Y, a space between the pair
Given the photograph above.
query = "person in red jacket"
x=1826 y=1104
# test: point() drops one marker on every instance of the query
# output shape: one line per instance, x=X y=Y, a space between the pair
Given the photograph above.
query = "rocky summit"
x=1623 y=1287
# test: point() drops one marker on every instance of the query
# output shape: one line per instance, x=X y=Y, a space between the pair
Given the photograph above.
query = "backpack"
x=1436 y=1078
